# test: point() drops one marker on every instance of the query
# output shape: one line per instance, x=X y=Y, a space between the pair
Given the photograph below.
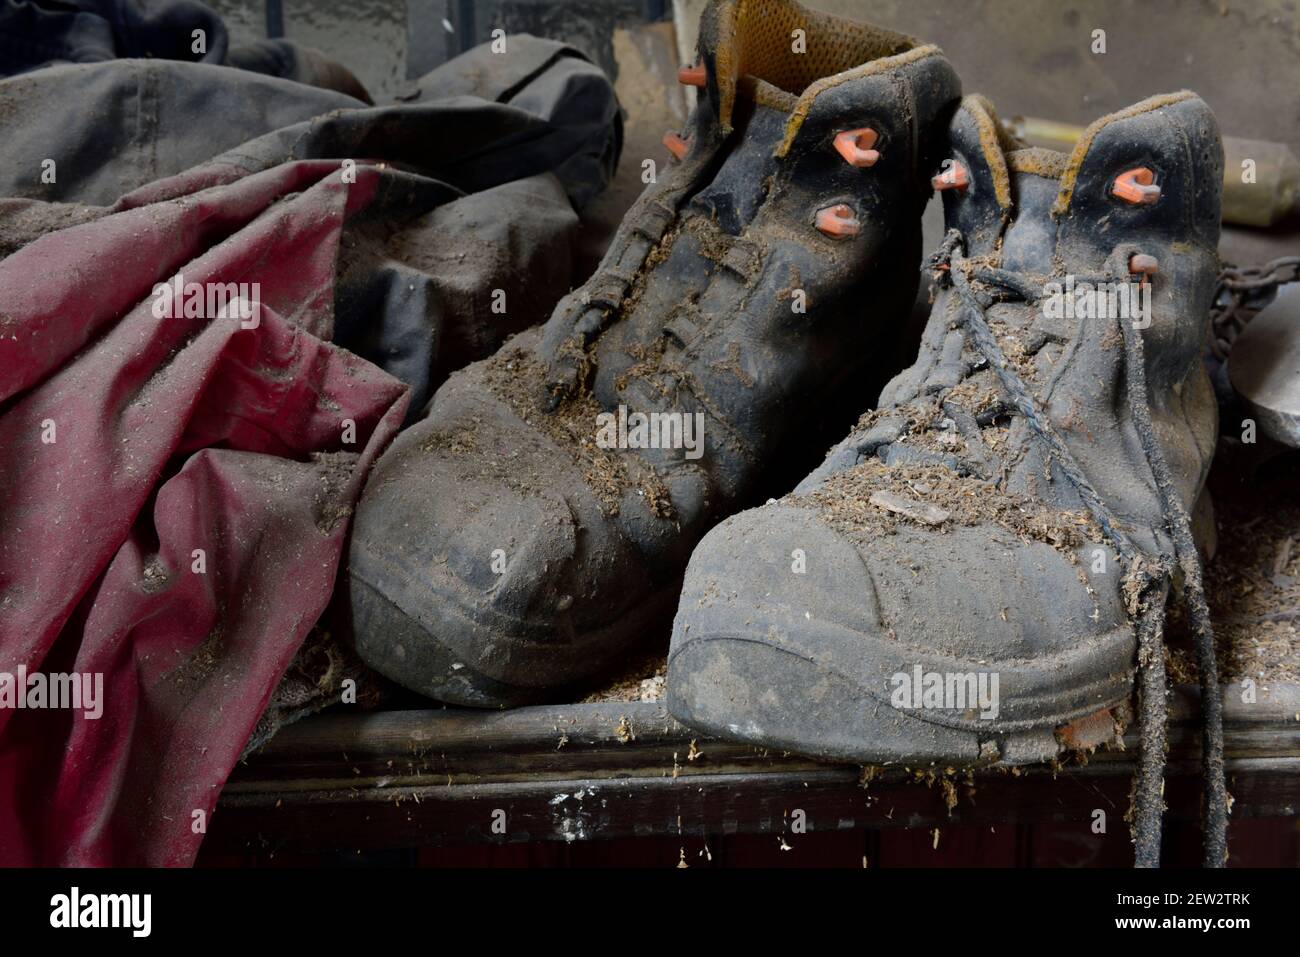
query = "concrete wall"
x=1034 y=57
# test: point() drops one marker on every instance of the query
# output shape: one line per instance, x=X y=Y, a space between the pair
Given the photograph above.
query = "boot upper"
x=728 y=294
x=1054 y=220
x=944 y=533
x=742 y=309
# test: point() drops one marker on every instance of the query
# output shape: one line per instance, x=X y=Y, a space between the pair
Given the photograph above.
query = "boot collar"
x=1070 y=176
x=805 y=102
x=1003 y=155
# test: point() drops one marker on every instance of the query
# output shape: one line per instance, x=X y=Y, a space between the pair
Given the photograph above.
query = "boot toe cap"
x=483 y=570
x=792 y=634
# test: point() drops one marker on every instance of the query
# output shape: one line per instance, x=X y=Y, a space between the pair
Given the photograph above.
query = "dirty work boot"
x=965 y=578
x=538 y=520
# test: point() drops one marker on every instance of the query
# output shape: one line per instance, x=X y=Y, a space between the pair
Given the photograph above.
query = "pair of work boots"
x=968 y=576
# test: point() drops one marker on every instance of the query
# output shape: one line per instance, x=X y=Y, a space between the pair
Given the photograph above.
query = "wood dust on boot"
x=517 y=377
x=872 y=499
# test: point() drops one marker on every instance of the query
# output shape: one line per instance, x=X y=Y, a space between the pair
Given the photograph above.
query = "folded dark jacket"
x=175 y=492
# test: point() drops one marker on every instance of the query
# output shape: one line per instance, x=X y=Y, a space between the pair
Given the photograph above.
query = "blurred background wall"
x=1030 y=56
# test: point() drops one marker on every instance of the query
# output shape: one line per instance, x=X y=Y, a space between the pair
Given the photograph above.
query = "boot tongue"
x=1038 y=161
x=759 y=38
x=1029 y=243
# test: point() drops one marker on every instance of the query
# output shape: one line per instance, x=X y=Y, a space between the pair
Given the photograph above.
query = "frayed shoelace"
x=1149 y=577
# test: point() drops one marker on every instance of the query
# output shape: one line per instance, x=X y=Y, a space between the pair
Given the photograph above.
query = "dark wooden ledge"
x=585 y=771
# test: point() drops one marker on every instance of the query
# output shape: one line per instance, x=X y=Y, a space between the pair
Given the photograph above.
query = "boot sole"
x=742 y=687
x=409 y=651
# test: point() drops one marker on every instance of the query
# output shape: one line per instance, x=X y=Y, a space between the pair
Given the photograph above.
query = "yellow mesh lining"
x=821 y=86
x=754 y=37
x=1071 y=174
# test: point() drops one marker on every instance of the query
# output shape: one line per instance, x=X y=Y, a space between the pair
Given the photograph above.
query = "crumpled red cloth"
x=181 y=533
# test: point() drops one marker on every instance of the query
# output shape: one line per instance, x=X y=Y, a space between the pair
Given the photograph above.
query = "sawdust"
x=332 y=504
x=981 y=394
x=457 y=441
x=643 y=680
x=1018 y=355
x=155 y=577
x=647 y=360
x=714 y=243
x=624 y=731
x=846 y=504
x=657 y=255
x=193 y=673
x=1252 y=585
x=517 y=377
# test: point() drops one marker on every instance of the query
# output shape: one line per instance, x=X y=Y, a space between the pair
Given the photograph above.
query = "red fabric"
x=171 y=435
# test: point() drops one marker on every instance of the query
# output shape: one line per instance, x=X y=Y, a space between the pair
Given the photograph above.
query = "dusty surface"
x=872 y=499
x=1253 y=581
x=518 y=377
